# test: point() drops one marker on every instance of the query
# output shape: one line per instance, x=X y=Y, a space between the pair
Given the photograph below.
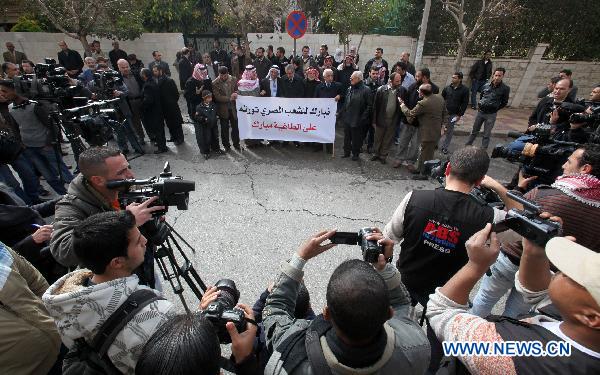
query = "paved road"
x=251 y=210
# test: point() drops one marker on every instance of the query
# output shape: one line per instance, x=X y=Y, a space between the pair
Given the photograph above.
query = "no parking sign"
x=296 y=24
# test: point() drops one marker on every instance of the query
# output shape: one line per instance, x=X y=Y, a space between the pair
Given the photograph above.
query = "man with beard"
x=355 y=114
x=323 y=53
x=261 y=63
x=269 y=86
x=329 y=63
x=169 y=95
x=378 y=62
x=280 y=60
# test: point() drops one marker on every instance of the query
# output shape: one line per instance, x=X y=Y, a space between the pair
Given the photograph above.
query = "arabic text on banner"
x=286 y=119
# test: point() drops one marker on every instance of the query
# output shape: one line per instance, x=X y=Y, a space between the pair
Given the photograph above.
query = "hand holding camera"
x=143 y=211
x=372 y=244
x=481 y=254
x=314 y=247
x=242 y=343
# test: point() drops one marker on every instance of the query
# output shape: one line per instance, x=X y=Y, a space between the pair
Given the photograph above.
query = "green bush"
x=26 y=24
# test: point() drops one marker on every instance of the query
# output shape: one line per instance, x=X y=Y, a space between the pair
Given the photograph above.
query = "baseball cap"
x=581 y=264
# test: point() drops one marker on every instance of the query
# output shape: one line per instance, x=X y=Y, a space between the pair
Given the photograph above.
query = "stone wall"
x=525 y=76
x=392 y=45
x=39 y=45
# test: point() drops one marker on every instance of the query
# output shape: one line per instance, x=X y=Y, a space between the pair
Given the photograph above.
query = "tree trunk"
x=84 y=43
x=462 y=48
x=362 y=36
x=422 y=34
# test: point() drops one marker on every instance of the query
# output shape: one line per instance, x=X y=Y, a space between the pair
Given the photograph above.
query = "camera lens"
x=229 y=294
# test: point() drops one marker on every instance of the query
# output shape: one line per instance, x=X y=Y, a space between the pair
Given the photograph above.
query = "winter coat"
x=169 y=95
x=80 y=202
x=222 y=91
x=29 y=342
x=79 y=310
x=356 y=110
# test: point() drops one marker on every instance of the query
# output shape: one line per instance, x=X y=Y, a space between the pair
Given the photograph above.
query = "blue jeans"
x=493 y=287
x=7 y=178
x=475 y=88
x=47 y=161
x=30 y=181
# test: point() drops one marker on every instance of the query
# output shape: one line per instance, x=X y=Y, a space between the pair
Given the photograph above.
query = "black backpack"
x=92 y=359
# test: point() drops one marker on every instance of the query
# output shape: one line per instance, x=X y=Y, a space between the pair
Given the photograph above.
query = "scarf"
x=275 y=68
x=315 y=72
x=249 y=81
x=200 y=72
x=583 y=188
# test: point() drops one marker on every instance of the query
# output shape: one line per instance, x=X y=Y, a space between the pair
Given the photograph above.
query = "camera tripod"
x=165 y=238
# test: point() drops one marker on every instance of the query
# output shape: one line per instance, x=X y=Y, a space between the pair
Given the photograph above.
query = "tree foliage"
x=488 y=11
x=185 y=16
x=120 y=19
x=348 y=17
x=244 y=16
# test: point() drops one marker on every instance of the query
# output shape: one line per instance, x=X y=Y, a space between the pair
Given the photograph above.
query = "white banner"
x=286 y=119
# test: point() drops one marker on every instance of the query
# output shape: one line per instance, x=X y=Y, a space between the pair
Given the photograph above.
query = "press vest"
x=436 y=226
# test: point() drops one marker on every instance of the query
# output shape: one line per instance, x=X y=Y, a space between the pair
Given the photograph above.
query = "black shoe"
x=227 y=148
x=206 y=156
x=473 y=107
x=345 y=156
x=178 y=142
x=237 y=147
x=219 y=152
x=369 y=150
x=382 y=160
x=419 y=177
x=161 y=150
x=354 y=157
x=374 y=158
x=445 y=151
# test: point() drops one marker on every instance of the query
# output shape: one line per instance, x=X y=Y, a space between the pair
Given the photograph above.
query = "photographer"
x=188 y=345
x=88 y=195
x=575 y=197
x=433 y=226
x=574 y=292
x=364 y=327
x=40 y=148
x=110 y=247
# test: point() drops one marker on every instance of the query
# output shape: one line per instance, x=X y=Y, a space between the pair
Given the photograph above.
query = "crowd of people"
x=82 y=291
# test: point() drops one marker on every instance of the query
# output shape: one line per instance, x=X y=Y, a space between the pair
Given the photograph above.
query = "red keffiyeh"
x=200 y=72
x=584 y=188
x=249 y=79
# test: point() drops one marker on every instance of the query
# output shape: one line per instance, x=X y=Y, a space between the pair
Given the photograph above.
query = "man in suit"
x=70 y=60
x=329 y=88
x=158 y=61
x=185 y=67
x=432 y=116
x=269 y=86
x=12 y=55
x=152 y=110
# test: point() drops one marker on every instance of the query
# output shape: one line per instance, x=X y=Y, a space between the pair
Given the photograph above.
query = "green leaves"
x=354 y=16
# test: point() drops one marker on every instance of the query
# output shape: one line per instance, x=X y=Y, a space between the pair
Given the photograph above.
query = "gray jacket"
x=407 y=350
x=80 y=202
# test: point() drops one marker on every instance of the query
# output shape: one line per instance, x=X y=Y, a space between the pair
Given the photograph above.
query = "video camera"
x=223 y=310
x=527 y=222
x=93 y=118
x=170 y=190
x=436 y=169
x=539 y=154
x=107 y=81
x=370 y=248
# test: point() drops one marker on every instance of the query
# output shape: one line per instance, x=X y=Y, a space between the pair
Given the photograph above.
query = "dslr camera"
x=527 y=222
x=170 y=190
x=223 y=310
x=370 y=248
